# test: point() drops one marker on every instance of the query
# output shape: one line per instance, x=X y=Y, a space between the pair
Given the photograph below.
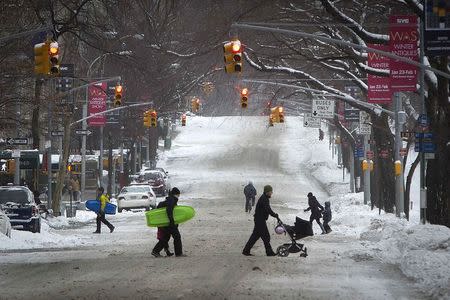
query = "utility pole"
x=399 y=184
x=100 y=157
x=366 y=170
x=49 y=160
x=352 y=169
x=423 y=189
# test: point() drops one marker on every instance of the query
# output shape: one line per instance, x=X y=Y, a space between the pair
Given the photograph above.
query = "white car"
x=5 y=224
x=136 y=196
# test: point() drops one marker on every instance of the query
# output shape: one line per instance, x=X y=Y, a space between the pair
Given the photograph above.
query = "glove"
x=276 y=216
x=305 y=210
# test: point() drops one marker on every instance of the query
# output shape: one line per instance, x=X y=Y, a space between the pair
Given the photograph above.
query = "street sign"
x=427 y=147
x=310 y=121
x=369 y=154
x=436 y=27
x=424 y=135
x=15 y=153
x=17 y=141
x=423 y=120
x=323 y=108
x=351 y=115
x=83 y=132
x=403 y=151
x=364 y=123
x=429 y=155
x=407 y=134
x=57 y=133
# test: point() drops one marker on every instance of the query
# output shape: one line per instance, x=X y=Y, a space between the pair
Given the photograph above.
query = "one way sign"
x=17 y=141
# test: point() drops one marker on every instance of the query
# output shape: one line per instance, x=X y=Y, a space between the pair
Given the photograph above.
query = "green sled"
x=158 y=217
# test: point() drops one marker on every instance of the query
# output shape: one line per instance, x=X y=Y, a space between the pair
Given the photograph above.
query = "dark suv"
x=18 y=204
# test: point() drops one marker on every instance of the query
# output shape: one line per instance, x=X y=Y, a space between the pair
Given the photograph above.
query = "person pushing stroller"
x=316 y=210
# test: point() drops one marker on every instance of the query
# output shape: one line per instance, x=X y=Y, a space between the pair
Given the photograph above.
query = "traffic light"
x=153 y=119
x=147 y=119
x=183 y=120
x=53 y=53
x=271 y=118
x=118 y=95
x=233 y=56
x=280 y=114
x=41 y=58
x=195 y=105
x=244 y=98
x=69 y=168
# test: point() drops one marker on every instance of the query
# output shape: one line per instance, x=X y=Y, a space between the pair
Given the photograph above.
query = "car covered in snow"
x=156 y=180
x=5 y=224
x=18 y=204
x=136 y=196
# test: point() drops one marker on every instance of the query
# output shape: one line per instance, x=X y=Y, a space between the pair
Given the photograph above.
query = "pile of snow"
x=47 y=238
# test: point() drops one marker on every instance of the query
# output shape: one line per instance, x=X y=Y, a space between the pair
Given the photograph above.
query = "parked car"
x=156 y=180
x=164 y=172
x=5 y=224
x=18 y=204
x=136 y=196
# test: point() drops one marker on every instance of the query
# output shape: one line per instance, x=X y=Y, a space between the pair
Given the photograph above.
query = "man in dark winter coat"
x=250 y=193
x=316 y=210
x=172 y=229
x=326 y=214
x=262 y=212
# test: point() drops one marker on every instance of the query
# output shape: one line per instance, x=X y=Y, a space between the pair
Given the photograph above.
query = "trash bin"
x=71 y=214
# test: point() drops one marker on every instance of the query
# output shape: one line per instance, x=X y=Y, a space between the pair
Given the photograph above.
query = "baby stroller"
x=301 y=229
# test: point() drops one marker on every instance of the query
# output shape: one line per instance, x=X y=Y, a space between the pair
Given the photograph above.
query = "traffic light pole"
x=423 y=189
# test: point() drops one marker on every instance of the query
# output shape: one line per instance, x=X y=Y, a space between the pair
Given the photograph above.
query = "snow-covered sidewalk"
x=422 y=252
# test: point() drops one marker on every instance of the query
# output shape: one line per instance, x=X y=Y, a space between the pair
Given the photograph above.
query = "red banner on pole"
x=97 y=103
x=379 y=87
x=403 y=42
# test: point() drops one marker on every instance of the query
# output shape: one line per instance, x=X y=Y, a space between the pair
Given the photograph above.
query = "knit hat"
x=267 y=189
x=175 y=191
x=310 y=194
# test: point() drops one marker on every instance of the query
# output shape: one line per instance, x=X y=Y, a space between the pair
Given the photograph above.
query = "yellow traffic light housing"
x=41 y=58
x=147 y=122
x=153 y=119
x=195 y=104
x=183 y=120
x=118 y=95
x=398 y=168
x=280 y=114
x=53 y=54
x=233 y=56
x=244 y=98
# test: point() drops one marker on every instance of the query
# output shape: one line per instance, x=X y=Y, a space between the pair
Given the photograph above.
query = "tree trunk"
x=62 y=166
x=408 y=185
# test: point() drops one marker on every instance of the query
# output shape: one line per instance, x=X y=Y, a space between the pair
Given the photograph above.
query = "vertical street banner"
x=379 y=87
x=97 y=103
x=437 y=27
x=403 y=42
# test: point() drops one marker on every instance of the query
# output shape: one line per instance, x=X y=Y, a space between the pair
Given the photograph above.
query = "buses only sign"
x=323 y=108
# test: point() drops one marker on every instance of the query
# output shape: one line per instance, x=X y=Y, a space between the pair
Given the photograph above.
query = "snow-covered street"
x=367 y=256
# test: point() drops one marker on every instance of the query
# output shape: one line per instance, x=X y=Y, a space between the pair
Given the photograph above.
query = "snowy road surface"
x=210 y=161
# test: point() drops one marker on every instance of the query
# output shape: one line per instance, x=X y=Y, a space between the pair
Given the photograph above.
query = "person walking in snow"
x=326 y=214
x=172 y=229
x=103 y=198
x=262 y=212
x=316 y=210
x=250 y=193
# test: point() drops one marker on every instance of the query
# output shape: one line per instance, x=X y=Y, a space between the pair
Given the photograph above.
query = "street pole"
x=352 y=170
x=83 y=149
x=100 y=157
x=423 y=189
x=49 y=160
x=17 y=159
x=399 y=189
x=367 y=195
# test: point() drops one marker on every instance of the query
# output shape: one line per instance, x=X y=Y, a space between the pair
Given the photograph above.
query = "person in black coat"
x=172 y=229
x=326 y=214
x=316 y=210
x=250 y=193
x=262 y=212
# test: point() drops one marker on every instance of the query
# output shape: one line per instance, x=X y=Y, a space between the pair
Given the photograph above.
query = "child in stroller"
x=301 y=229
